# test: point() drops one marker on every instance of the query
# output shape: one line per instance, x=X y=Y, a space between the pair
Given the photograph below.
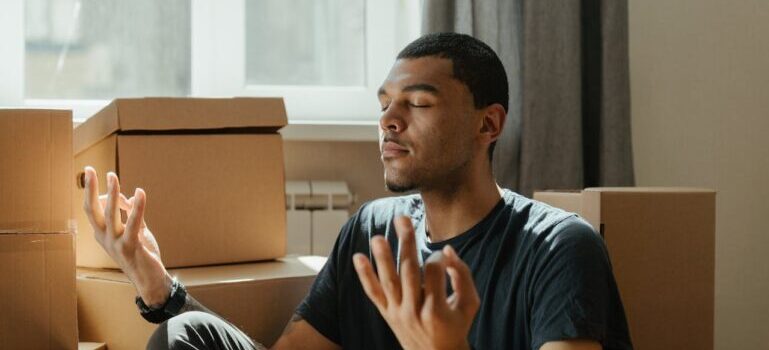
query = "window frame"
x=218 y=66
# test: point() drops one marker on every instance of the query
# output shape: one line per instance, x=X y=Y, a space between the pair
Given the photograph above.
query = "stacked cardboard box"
x=213 y=173
x=258 y=298
x=212 y=170
x=37 y=255
x=661 y=243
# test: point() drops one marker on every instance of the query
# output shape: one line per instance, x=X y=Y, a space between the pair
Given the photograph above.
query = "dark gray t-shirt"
x=542 y=274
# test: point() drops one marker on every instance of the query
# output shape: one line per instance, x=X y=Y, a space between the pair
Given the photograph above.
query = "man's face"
x=427 y=132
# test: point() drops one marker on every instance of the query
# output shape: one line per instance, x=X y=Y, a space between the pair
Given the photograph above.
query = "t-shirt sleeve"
x=320 y=307
x=573 y=292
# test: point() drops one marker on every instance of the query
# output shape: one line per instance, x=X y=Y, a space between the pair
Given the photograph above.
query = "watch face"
x=177 y=299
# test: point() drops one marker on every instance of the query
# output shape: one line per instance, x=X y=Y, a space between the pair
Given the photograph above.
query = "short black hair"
x=475 y=64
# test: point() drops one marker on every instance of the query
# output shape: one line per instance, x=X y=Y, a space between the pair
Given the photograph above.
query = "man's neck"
x=452 y=211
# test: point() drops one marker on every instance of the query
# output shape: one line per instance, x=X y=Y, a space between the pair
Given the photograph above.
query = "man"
x=521 y=274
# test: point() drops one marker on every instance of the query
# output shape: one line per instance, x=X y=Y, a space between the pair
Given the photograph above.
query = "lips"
x=391 y=150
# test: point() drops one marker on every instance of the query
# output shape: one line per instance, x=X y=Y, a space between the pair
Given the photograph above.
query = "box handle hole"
x=80 y=179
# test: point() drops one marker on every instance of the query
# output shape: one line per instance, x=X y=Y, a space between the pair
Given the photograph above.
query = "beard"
x=426 y=177
x=399 y=187
x=399 y=184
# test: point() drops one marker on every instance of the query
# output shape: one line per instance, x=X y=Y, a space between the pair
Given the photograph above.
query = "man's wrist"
x=173 y=306
x=156 y=296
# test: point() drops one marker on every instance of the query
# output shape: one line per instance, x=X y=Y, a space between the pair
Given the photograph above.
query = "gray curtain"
x=568 y=124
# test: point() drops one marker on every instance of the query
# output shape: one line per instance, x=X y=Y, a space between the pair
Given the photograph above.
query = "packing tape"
x=59 y=226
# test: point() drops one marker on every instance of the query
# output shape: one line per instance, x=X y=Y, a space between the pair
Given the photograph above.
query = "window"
x=82 y=49
x=322 y=44
x=325 y=57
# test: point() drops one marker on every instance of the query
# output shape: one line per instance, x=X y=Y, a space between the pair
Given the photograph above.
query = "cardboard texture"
x=37 y=291
x=212 y=170
x=35 y=170
x=662 y=245
x=259 y=298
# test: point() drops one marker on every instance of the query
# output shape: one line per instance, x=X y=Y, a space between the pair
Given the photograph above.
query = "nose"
x=392 y=121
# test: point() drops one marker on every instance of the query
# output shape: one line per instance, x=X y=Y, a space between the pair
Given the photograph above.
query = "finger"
x=112 y=218
x=465 y=295
x=93 y=209
x=369 y=281
x=124 y=203
x=409 y=267
x=385 y=268
x=134 y=224
x=435 y=281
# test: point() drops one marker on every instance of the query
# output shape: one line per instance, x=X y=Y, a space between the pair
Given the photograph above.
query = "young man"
x=521 y=274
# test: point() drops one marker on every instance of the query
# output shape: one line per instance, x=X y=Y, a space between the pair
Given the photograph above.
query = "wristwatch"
x=171 y=308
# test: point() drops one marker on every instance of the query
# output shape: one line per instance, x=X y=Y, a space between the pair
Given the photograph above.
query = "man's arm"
x=299 y=334
x=575 y=300
x=130 y=244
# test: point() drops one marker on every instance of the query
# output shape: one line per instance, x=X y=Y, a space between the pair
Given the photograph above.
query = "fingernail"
x=357 y=259
x=449 y=251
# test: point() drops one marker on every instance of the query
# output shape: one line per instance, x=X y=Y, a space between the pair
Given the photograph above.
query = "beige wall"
x=356 y=162
x=700 y=110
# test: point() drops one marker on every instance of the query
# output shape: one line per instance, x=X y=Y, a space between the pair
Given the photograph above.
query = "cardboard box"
x=258 y=297
x=662 y=246
x=35 y=170
x=212 y=170
x=37 y=291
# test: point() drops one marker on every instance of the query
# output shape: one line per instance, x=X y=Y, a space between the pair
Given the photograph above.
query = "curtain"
x=568 y=123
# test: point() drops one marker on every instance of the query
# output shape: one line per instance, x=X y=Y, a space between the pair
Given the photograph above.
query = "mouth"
x=393 y=150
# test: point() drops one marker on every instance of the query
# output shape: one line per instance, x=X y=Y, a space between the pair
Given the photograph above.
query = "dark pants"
x=196 y=330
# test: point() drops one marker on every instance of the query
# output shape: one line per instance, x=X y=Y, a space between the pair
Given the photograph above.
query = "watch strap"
x=173 y=305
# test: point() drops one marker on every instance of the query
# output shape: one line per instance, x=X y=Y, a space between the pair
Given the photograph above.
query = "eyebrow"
x=415 y=87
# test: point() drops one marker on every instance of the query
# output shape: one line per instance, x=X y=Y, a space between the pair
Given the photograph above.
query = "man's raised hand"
x=421 y=316
x=130 y=244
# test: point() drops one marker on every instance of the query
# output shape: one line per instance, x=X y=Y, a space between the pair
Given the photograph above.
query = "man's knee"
x=190 y=330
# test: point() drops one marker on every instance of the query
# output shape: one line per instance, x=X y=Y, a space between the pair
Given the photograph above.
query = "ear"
x=492 y=122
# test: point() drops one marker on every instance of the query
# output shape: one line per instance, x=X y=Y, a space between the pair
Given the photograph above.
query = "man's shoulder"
x=542 y=218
